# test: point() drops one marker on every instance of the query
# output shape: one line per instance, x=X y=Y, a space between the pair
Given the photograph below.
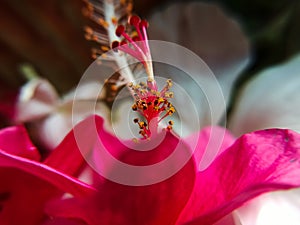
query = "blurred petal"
x=85 y=91
x=37 y=99
x=258 y=162
x=68 y=157
x=53 y=129
x=207 y=31
x=56 y=117
x=15 y=140
x=8 y=98
x=270 y=100
x=276 y=208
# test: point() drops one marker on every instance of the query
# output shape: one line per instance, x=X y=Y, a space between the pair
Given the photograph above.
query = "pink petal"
x=210 y=142
x=68 y=157
x=46 y=173
x=26 y=185
x=156 y=204
x=258 y=162
x=15 y=140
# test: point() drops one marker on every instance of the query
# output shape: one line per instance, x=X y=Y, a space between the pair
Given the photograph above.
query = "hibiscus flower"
x=224 y=48
x=206 y=220
x=242 y=171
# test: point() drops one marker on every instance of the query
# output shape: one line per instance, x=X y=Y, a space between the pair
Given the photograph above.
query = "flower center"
x=153 y=105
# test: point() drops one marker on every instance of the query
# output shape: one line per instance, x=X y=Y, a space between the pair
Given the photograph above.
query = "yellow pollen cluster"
x=151 y=104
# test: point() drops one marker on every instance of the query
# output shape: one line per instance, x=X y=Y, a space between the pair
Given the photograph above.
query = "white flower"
x=50 y=117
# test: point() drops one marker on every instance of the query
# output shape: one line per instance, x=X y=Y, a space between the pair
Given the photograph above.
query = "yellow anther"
x=114 y=20
x=129 y=7
x=160 y=100
x=103 y=23
x=143 y=91
x=134 y=107
x=134 y=34
x=142 y=125
x=88 y=37
x=114 y=87
x=141 y=132
x=88 y=30
x=169 y=83
x=135 y=140
x=154 y=92
x=171 y=110
x=171 y=122
x=105 y=48
x=94 y=38
x=169 y=127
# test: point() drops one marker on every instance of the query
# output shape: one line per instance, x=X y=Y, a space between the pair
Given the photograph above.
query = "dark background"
x=49 y=36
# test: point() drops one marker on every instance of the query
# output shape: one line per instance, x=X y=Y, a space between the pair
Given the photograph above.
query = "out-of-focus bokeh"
x=49 y=36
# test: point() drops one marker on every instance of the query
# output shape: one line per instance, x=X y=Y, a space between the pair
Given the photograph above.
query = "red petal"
x=258 y=162
x=46 y=173
x=26 y=185
x=25 y=197
x=15 y=140
x=158 y=203
x=68 y=156
x=61 y=221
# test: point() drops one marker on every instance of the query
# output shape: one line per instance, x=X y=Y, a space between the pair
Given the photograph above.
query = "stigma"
x=135 y=42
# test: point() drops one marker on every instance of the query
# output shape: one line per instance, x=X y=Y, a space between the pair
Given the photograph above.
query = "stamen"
x=153 y=105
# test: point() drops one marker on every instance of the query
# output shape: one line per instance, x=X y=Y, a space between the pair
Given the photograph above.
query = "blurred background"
x=48 y=35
